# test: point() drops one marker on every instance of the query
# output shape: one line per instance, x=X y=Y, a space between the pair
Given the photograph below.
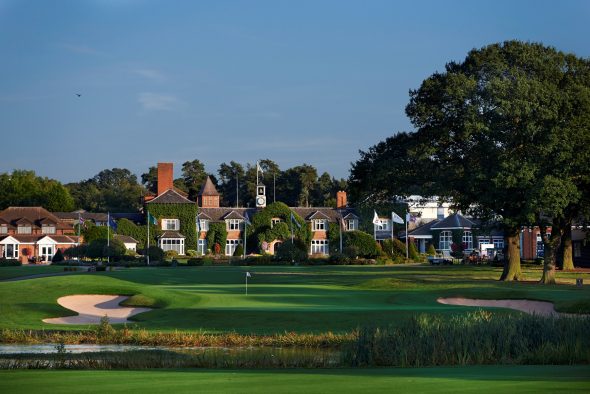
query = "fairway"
x=486 y=379
x=300 y=299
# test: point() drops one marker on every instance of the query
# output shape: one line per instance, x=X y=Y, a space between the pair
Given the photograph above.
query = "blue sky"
x=292 y=81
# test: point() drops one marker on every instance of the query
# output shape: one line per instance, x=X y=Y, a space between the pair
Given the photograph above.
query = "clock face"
x=260 y=201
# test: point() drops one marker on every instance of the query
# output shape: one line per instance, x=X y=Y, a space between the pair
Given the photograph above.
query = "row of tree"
x=118 y=189
x=505 y=136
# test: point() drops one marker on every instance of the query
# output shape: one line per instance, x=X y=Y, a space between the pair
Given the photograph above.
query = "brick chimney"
x=165 y=177
x=341 y=202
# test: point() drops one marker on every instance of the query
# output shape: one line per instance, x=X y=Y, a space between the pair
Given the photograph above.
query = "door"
x=46 y=253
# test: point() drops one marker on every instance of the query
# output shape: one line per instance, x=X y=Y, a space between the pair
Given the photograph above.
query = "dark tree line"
x=504 y=135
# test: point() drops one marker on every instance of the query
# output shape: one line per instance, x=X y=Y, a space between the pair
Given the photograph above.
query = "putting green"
x=480 y=379
x=301 y=299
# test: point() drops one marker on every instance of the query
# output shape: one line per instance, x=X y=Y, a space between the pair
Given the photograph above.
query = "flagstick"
x=246 y=283
x=407 y=253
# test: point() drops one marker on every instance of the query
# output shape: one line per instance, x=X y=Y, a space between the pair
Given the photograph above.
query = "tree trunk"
x=512 y=258
x=568 y=260
x=551 y=244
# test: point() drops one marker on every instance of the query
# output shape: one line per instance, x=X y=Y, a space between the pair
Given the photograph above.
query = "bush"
x=239 y=252
x=395 y=248
x=4 y=262
x=413 y=252
x=431 y=251
x=170 y=254
x=101 y=248
x=365 y=244
x=192 y=253
x=155 y=253
x=57 y=257
x=351 y=251
x=339 y=259
x=291 y=252
x=195 y=262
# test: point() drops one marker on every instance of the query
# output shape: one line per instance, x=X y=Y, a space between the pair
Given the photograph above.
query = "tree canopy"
x=24 y=188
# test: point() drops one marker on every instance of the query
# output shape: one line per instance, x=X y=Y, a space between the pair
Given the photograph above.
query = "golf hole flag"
x=396 y=219
x=248 y=274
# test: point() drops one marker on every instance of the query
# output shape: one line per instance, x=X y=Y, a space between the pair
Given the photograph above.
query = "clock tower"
x=260 y=196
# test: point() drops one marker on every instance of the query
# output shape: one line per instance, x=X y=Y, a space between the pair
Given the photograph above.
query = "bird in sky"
x=78 y=94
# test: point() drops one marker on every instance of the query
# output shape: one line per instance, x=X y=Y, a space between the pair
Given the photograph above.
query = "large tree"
x=24 y=188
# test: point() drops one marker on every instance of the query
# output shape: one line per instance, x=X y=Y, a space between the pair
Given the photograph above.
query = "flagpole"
x=244 y=254
x=407 y=253
x=246 y=283
x=392 y=233
x=108 y=238
x=147 y=250
x=340 y=232
x=237 y=189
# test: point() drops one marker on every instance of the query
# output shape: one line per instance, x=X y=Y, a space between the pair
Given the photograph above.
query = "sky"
x=306 y=81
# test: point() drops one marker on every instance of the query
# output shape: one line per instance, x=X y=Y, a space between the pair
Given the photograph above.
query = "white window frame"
x=202 y=246
x=14 y=251
x=170 y=224
x=319 y=246
x=382 y=225
x=319 y=225
x=445 y=240
x=46 y=252
x=3 y=229
x=231 y=245
x=498 y=243
x=483 y=241
x=204 y=224
x=24 y=229
x=176 y=244
x=274 y=221
x=48 y=229
x=350 y=224
x=234 y=224
x=467 y=239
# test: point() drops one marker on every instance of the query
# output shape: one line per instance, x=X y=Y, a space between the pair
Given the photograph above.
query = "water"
x=83 y=348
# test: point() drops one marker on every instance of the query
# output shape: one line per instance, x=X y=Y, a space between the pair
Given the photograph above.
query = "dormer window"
x=319 y=225
x=24 y=229
x=203 y=225
x=274 y=221
x=351 y=224
x=171 y=224
x=382 y=225
x=3 y=229
x=234 y=224
x=48 y=229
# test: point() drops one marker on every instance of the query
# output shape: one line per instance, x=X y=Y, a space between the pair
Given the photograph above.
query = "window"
x=319 y=246
x=4 y=229
x=498 y=243
x=440 y=213
x=577 y=249
x=204 y=224
x=483 y=241
x=25 y=229
x=275 y=221
x=351 y=224
x=46 y=252
x=319 y=224
x=382 y=225
x=48 y=229
x=231 y=245
x=445 y=240
x=202 y=246
x=176 y=244
x=170 y=224
x=11 y=251
x=468 y=239
x=234 y=224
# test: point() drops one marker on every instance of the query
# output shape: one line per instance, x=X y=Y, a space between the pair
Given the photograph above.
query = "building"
x=33 y=234
x=179 y=233
x=129 y=242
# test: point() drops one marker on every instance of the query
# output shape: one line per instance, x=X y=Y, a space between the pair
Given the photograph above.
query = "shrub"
x=57 y=257
x=395 y=248
x=366 y=245
x=351 y=251
x=295 y=252
x=4 y=262
x=431 y=251
x=239 y=252
x=339 y=259
x=194 y=262
x=101 y=248
x=192 y=253
x=413 y=252
x=171 y=254
x=155 y=253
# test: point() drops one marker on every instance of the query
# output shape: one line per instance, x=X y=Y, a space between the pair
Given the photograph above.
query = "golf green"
x=479 y=379
x=300 y=299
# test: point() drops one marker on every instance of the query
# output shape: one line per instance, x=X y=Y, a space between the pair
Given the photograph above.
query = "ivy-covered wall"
x=127 y=227
x=217 y=234
x=187 y=213
x=261 y=230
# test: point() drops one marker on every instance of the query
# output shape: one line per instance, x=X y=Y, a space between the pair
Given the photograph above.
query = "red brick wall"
x=165 y=177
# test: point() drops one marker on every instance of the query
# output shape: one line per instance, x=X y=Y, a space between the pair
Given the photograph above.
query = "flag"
x=247 y=219
x=293 y=220
x=112 y=223
x=376 y=218
x=198 y=225
x=410 y=218
x=81 y=220
x=151 y=219
x=258 y=168
x=396 y=219
x=248 y=274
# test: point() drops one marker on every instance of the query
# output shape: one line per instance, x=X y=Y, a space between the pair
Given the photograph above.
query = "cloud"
x=80 y=49
x=151 y=74
x=159 y=102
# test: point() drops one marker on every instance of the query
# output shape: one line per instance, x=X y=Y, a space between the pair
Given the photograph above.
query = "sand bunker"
x=528 y=306
x=92 y=308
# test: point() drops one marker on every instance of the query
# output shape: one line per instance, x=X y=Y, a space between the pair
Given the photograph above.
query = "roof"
x=220 y=214
x=423 y=231
x=454 y=221
x=171 y=234
x=234 y=215
x=208 y=188
x=34 y=238
x=96 y=217
x=33 y=215
x=126 y=239
x=317 y=215
x=170 y=196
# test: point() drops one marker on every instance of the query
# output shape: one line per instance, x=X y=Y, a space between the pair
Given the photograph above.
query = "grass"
x=280 y=299
x=486 y=379
x=15 y=272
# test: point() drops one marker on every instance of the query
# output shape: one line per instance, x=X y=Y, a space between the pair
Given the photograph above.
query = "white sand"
x=532 y=307
x=92 y=308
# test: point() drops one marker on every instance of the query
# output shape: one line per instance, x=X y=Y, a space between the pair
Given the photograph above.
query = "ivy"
x=261 y=230
x=217 y=234
x=127 y=227
x=186 y=213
